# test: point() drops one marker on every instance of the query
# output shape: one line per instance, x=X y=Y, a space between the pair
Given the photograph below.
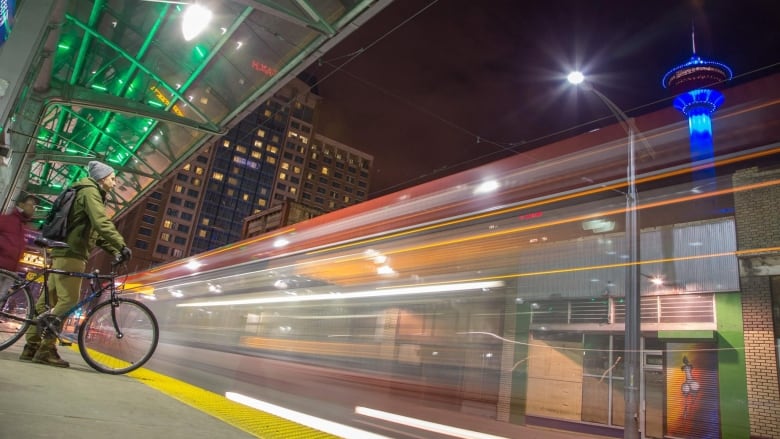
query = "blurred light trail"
x=424 y=289
x=320 y=424
x=424 y=425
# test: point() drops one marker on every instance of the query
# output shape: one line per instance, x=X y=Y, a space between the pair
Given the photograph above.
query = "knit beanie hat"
x=98 y=170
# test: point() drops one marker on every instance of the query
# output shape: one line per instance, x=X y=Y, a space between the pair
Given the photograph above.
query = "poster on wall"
x=6 y=18
x=692 y=400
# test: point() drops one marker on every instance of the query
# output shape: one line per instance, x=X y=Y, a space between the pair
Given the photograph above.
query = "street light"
x=631 y=350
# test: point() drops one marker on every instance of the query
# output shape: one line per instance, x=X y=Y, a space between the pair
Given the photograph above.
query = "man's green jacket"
x=88 y=224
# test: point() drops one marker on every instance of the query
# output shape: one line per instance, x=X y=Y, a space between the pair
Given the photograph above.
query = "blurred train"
x=500 y=288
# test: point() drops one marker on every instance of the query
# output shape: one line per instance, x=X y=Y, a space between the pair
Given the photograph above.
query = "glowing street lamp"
x=632 y=335
x=195 y=20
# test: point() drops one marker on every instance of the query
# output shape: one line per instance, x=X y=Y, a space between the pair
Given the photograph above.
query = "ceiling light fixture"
x=195 y=20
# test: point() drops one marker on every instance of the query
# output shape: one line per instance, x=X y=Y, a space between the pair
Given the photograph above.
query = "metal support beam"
x=87 y=98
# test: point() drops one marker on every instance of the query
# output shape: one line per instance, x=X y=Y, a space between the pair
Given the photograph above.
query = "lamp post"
x=632 y=335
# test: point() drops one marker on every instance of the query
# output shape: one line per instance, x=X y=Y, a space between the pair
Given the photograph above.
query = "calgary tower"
x=694 y=83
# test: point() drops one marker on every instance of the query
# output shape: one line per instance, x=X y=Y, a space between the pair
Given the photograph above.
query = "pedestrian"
x=12 y=239
x=88 y=227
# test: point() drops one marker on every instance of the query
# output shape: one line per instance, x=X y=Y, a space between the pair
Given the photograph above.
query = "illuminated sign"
x=33 y=259
x=263 y=68
x=164 y=99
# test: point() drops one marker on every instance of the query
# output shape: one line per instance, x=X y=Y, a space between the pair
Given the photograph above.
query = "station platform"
x=40 y=401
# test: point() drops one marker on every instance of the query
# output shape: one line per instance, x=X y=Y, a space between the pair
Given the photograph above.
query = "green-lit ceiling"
x=116 y=80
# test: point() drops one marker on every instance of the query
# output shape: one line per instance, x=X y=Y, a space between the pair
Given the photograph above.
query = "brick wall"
x=757 y=214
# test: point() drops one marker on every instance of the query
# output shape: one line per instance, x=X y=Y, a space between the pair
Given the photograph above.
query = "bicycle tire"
x=19 y=304
x=102 y=347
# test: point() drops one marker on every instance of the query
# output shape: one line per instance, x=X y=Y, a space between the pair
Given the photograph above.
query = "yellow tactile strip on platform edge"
x=255 y=422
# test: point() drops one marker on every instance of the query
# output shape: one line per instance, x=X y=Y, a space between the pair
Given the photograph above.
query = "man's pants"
x=64 y=292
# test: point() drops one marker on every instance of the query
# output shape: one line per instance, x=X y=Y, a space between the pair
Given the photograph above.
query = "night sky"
x=434 y=87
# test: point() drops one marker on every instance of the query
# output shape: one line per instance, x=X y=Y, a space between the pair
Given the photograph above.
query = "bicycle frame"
x=95 y=291
x=117 y=335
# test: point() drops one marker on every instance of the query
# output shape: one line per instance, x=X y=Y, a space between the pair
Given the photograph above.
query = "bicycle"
x=116 y=336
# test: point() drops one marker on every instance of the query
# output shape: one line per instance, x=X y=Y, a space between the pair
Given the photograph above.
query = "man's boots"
x=47 y=354
x=29 y=351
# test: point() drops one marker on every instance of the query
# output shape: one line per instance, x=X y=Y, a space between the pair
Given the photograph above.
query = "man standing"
x=88 y=226
x=12 y=241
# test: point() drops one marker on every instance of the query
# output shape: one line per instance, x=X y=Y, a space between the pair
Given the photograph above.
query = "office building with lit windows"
x=336 y=175
x=272 y=156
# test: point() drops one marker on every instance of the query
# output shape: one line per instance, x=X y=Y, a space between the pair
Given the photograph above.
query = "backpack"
x=55 y=226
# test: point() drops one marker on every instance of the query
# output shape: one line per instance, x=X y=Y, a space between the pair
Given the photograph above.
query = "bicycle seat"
x=49 y=243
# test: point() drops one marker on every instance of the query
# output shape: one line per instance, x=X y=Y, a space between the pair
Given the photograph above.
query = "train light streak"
x=406 y=291
x=281 y=242
x=193 y=265
x=320 y=424
x=487 y=187
x=424 y=425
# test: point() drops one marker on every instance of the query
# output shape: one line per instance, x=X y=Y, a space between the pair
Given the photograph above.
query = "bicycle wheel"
x=118 y=337
x=18 y=303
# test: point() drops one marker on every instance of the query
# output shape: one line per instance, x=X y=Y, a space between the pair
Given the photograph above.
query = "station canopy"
x=118 y=81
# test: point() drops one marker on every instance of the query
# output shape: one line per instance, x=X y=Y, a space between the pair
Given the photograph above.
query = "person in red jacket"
x=12 y=241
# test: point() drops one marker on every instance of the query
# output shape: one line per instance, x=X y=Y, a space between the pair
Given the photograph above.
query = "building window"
x=201 y=233
x=325 y=170
x=156 y=195
x=176 y=252
x=148 y=219
x=143 y=245
x=145 y=231
x=162 y=249
x=152 y=207
x=165 y=236
x=180 y=240
x=218 y=176
x=176 y=200
x=226 y=143
x=168 y=224
x=178 y=188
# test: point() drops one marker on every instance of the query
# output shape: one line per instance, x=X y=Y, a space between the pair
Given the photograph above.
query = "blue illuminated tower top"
x=694 y=81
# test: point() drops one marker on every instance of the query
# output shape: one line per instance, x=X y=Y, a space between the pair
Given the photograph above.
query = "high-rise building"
x=336 y=175
x=272 y=156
